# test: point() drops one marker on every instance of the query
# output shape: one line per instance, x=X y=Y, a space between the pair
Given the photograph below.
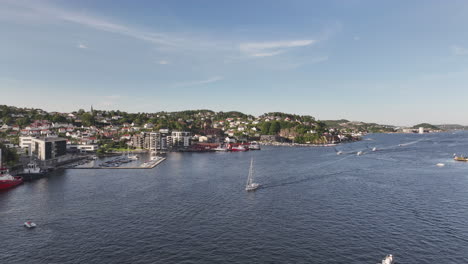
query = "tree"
x=265 y=128
x=274 y=128
x=9 y=156
x=87 y=119
x=23 y=121
x=59 y=119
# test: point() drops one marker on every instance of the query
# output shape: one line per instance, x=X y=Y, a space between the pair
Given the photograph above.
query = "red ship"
x=6 y=180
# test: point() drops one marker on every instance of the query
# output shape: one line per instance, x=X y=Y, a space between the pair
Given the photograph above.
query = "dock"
x=146 y=165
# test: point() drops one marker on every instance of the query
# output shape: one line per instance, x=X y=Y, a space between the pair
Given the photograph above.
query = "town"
x=53 y=138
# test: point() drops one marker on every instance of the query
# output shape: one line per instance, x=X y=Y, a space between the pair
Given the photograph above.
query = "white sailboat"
x=251 y=186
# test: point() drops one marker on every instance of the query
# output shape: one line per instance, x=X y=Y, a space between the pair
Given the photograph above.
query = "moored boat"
x=6 y=180
x=32 y=172
x=239 y=148
x=220 y=148
x=254 y=145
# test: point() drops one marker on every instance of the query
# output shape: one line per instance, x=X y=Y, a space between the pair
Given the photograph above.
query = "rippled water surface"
x=314 y=207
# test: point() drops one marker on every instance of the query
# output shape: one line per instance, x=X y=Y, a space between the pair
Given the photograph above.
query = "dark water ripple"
x=314 y=207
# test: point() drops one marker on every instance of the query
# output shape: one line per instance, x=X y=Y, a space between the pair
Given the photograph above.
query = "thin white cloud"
x=268 y=49
x=267 y=54
x=197 y=44
x=459 y=50
x=81 y=46
x=47 y=12
x=201 y=82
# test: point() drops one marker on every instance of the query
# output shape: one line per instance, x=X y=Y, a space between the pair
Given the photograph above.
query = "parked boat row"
x=118 y=161
x=238 y=147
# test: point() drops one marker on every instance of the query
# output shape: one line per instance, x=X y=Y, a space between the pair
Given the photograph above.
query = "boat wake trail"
x=308 y=177
x=294 y=180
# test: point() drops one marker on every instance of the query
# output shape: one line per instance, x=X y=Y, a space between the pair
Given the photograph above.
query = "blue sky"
x=392 y=62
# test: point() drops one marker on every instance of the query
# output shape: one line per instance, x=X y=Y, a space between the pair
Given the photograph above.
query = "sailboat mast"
x=249 y=179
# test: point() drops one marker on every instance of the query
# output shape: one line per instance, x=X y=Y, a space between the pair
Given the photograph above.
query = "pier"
x=146 y=165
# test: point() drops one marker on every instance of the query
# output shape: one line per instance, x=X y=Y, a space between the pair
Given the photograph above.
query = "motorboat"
x=388 y=259
x=339 y=152
x=239 y=148
x=374 y=149
x=32 y=172
x=440 y=164
x=29 y=224
x=220 y=148
x=460 y=158
x=359 y=153
x=254 y=145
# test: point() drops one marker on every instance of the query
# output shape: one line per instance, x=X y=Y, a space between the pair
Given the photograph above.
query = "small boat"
x=440 y=164
x=220 y=148
x=359 y=153
x=251 y=186
x=388 y=259
x=374 y=149
x=254 y=145
x=239 y=148
x=461 y=158
x=339 y=152
x=29 y=224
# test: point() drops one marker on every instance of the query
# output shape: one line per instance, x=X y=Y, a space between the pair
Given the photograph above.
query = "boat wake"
x=294 y=180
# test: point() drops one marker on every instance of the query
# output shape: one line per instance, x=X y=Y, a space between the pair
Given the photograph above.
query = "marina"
x=146 y=165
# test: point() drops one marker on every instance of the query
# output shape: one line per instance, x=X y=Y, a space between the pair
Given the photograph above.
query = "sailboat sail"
x=251 y=186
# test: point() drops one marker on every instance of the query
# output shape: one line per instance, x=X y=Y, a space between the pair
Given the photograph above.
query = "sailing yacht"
x=251 y=186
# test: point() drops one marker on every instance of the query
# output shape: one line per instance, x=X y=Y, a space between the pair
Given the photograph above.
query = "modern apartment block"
x=181 y=139
x=48 y=148
x=161 y=141
x=25 y=142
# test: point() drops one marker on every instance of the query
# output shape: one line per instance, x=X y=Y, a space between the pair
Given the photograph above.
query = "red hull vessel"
x=6 y=180
x=10 y=183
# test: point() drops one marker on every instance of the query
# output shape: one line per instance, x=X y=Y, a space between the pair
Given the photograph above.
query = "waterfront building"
x=48 y=148
x=181 y=138
x=138 y=140
x=83 y=147
x=25 y=142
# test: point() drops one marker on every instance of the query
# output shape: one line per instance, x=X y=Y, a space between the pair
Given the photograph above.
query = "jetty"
x=146 y=165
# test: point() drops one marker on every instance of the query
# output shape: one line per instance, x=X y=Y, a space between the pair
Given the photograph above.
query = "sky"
x=390 y=62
